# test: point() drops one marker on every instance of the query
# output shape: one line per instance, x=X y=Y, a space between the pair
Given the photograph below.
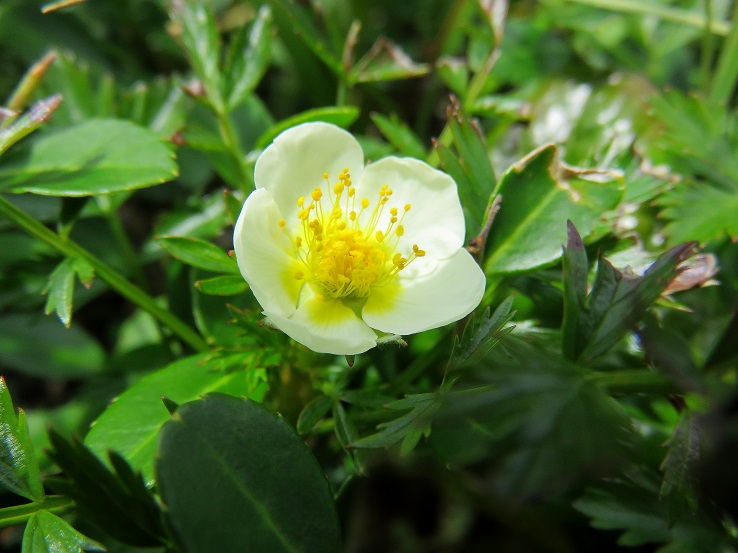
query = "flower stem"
x=114 y=279
x=12 y=516
x=632 y=381
x=232 y=144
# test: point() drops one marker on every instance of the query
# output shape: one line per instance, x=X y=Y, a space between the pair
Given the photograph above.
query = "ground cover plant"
x=425 y=276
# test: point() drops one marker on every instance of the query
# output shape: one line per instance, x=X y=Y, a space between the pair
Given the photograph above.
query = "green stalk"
x=708 y=48
x=632 y=381
x=114 y=279
x=230 y=139
x=674 y=15
x=726 y=74
x=12 y=516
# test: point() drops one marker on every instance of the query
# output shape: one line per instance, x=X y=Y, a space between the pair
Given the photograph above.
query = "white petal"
x=326 y=326
x=264 y=254
x=294 y=164
x=446 y=295
x=435 y=221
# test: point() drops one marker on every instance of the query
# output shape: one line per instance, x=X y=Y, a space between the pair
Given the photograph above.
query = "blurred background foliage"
x=606 y=418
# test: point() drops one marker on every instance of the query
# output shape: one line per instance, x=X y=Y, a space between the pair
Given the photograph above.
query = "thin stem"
x=632 y=381
x=232 y=144
x=19 y=514
x=127 y=249
x=674 y=15
x=420 y=365
x=708 y=48
x=114 y=279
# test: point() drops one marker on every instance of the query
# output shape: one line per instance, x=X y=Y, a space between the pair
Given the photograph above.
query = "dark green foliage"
x=593 y=146
x=116 y=502
x=249 y=482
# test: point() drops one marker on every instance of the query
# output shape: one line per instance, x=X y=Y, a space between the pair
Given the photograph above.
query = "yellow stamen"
x=345 y=255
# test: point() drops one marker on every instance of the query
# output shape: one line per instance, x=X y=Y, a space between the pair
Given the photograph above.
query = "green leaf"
x=29 y=121
x=342 y=116
x=696 y=138
x=386 y=61
x=60 y=289
x=313 y=413
x=698 y=211
x=198 y=34
x=618 y=301
x=99 y=156
x=454 y=72
x=263 y=489
x=575 y=275
x=678 y=487
x=631 y=505
x=198 y=253
x=249 y=58
x=452 y=165
x=539 y=194
x=472 y=148
x=47 y=533
x=409 y=427
x=519 y=417
x=669 y=353
x=19 y=469
x=130 y=425
x=399 y=135
x=115 y=501
x=222 y=285
x=299 y=22
x=480 y=337
x=39 y=346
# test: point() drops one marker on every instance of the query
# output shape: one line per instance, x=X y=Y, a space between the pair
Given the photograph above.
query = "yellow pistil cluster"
x=339 y=246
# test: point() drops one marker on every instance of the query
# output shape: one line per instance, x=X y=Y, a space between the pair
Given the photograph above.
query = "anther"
x=379 y=236
x=400 y=231
x=282 y=223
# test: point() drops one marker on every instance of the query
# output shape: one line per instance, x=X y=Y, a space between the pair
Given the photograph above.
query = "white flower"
x=340 y=255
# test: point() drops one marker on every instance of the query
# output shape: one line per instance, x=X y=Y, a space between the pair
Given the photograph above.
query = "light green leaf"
x=250 y=58
x=342 y=116
x=130 y=425
x=454 y=72
x=222 y=285
x=539 y=194
x=399 y=135
x=313 y=413
x=385 y=61
x=300 y=23
x=99 y=156
x=698 y=211
x=19 y=470
x=47 y=533
x=198 y=253
x=60 y=290
x=263 y=488
x=201 y=42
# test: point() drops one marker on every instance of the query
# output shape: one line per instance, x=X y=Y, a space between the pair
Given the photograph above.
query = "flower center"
x=339 y=245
